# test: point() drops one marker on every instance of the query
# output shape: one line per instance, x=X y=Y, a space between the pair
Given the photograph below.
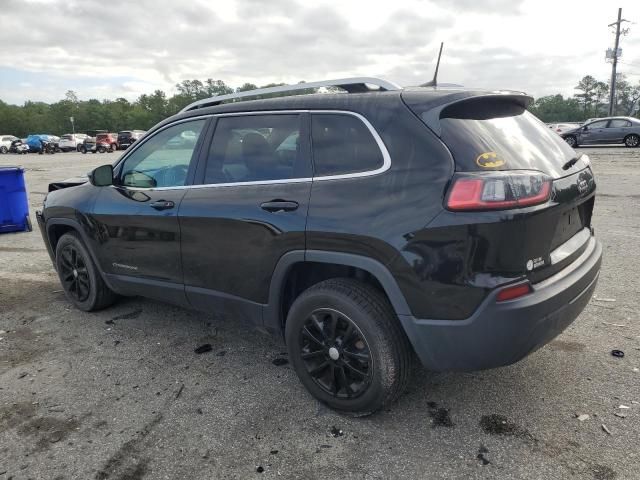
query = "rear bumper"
x=500 y=334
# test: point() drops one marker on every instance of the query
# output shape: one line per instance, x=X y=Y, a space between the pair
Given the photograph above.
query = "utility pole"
x=614 y=63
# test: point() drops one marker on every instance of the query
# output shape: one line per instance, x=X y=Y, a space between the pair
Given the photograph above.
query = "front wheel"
x=79 y=276
x=347 y=346
x=632 y=140
x=4 y=149
x=571 y=140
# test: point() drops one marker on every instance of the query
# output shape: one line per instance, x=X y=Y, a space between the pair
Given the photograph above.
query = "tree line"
x=590 y=100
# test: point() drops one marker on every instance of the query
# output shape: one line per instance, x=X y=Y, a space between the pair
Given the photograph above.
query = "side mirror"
x=102 y=176
x=585 y=128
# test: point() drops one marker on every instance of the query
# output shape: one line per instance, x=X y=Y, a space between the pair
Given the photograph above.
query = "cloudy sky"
x=122 y=48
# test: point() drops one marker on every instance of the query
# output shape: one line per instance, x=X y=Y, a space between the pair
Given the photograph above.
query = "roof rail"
x=351 y=85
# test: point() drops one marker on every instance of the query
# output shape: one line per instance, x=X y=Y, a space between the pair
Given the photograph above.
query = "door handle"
x=279 y=206
x=162 y=204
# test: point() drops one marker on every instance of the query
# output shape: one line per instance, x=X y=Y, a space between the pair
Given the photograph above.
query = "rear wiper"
x=570 y=163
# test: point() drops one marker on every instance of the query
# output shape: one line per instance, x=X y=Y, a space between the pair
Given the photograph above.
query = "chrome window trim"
x=386 y=158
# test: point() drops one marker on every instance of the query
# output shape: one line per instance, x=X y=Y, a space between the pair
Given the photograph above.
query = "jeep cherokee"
x=367 y=228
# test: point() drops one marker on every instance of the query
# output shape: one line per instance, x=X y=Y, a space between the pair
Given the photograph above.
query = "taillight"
x=498 y=190
x=513 y=292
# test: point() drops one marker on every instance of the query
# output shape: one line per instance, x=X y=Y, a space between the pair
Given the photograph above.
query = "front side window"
x=600 y=124
x=256 y=148
x=164 y=159
x=343 y=144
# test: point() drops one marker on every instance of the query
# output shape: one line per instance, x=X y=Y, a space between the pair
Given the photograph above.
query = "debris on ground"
x=617 y=353
x=336 y=432
x=482 y=451
x=273 y=452
x=259 y=469
x=23 y=374
x=180 y=391
x=278 y=362
x=606 y=430
x=623 y=406
x=619 y=414
x=583 y=417
x=614 y=324
x=204 y=348
x=604 y=299
x=221 y=353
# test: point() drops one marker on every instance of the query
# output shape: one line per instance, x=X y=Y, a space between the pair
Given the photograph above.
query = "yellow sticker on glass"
x=489 y=160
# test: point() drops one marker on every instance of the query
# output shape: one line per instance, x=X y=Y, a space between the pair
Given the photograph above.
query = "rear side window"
x=343 y=144
x=489 y=134
x=255 y=148
x=618 y=123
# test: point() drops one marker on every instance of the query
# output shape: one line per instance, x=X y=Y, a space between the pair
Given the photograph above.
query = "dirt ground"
x=120 y=394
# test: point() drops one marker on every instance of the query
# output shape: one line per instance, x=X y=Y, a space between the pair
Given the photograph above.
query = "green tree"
x=587 y=86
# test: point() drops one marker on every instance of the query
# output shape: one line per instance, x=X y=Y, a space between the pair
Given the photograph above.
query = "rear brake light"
x=513 y=292
x=498 y=190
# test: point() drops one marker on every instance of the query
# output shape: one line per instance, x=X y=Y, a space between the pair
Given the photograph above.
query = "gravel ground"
x=120 y=394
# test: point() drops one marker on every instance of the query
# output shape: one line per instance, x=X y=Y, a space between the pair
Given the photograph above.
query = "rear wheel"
x=571 y=140
x=632 y=140
x=347 y=346
x=4 y=149
x=79 y=276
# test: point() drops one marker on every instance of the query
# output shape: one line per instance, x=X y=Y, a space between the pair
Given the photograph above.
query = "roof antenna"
x=434 y=82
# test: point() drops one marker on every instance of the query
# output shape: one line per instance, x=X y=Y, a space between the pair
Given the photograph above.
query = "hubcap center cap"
x=334 y=354
x=75 y=273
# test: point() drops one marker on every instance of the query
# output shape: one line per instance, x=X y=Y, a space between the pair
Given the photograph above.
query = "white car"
x=71 y=141
x=560 y=128
x=5 y=142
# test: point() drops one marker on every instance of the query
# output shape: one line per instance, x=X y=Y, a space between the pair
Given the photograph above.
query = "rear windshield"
x=485 y=134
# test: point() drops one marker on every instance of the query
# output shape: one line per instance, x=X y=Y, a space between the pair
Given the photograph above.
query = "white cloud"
x=131 y=48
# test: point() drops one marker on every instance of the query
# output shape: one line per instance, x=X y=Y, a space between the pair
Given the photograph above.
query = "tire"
x=102 y=149
x=78 y=148
x=632 y=140
x=82 y=284
x=113 y=148
x=4 y=149
x=571 y=140
x=368 y=337
x=82 y=149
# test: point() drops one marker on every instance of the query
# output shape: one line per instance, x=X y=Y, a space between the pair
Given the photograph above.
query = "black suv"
x=366 y=228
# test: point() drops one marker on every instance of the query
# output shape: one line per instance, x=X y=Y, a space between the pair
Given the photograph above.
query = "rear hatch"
x=508 y=160
x=125 y=137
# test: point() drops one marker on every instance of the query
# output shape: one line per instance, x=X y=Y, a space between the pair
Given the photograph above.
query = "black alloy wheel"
x=79 y=276
x=74 y=274
x=632 y=140
x=336 y=354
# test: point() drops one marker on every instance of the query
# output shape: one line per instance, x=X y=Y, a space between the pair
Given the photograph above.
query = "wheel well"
x=303 y=275
x=56 y=232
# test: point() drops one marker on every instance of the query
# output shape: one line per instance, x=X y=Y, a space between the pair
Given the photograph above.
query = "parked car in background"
x=5 y=142
x=88 y=145
x=19 y=147
x=71 y=141
x=106 y=142
x=35 y=141
x=560 y=128
x=611 y=130
x=127 y=137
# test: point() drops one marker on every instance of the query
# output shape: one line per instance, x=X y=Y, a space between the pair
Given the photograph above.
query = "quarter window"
x=164 y=159
x=343 y=144
x=256 y=148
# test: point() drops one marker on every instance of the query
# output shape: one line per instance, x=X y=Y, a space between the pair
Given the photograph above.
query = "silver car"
x=624 y=130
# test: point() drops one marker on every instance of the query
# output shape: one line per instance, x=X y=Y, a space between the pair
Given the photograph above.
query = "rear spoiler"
x=432 y=107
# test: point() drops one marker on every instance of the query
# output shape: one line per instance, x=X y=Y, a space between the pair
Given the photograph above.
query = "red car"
x=106 y=142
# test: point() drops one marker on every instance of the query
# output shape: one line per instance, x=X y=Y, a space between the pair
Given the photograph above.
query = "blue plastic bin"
x=14 y=207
